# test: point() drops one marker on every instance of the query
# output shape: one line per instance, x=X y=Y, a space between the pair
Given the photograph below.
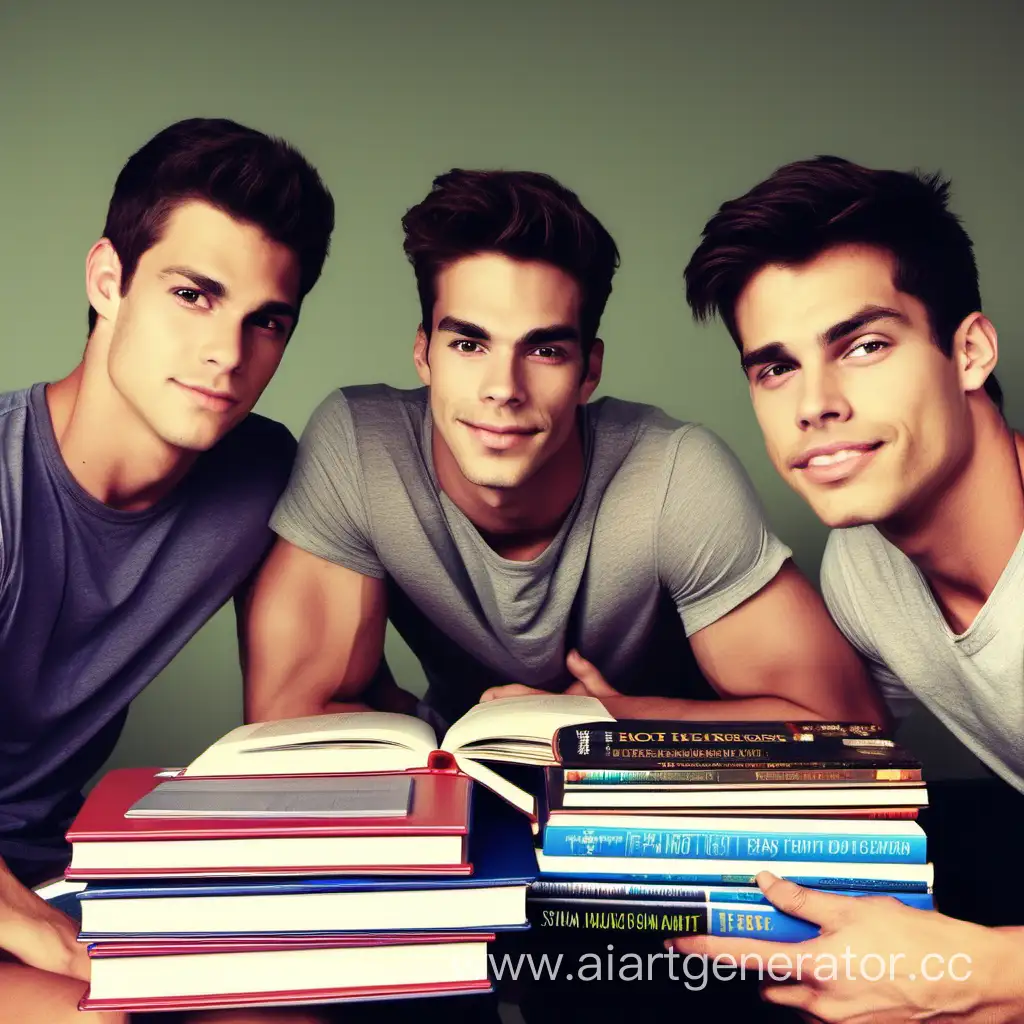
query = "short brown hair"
x=524 y=215
x=807 y=207
x=251 y=176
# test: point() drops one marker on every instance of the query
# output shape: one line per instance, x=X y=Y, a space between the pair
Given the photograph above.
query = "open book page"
x=362 y=741
x=520 y=729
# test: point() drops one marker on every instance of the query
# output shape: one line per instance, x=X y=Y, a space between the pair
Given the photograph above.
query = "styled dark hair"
x=807 y=207
x=524 y=215
x=251 y=176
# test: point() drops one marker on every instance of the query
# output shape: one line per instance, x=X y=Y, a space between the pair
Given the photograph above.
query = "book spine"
x=574 y=889
x=583 y=743
x=665 y=919
x=619 y=841
x=676 y=756
x=576 y=777
x=814 y=878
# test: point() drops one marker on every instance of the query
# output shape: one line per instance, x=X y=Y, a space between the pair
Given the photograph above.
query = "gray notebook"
x=378 y=796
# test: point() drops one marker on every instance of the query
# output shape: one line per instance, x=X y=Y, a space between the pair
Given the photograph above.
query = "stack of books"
x=659 y=827
x=295 y=863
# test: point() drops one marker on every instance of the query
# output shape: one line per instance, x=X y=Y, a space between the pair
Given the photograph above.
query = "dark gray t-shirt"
x=94 y=602
x=666 y=536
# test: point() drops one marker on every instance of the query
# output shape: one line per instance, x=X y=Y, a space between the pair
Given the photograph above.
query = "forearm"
x=36 y=933
x=762 y=709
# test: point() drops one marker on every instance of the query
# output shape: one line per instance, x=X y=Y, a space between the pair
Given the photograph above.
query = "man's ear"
x=103 y=279
x=976 y=350
x=420 y=350
x=592 y=376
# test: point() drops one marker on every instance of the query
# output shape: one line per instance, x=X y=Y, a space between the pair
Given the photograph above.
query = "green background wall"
x=654 y=112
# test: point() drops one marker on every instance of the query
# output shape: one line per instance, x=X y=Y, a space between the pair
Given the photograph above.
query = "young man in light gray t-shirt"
x=520 y=537
x=853 y=297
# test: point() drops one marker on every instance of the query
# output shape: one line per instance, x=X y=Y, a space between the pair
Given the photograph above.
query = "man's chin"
x=498 y=478
x=843 y=515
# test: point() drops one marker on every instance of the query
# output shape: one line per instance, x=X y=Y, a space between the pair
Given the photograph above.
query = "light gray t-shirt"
x=666 y=535
x=973 y=682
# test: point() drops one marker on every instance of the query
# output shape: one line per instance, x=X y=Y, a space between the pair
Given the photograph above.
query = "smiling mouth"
x=842 y=455
x=839 y=466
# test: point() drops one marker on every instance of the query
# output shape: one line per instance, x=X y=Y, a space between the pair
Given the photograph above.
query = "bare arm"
x=781 y=650
x=313 y=636
x=778 y=655
x=36 y=933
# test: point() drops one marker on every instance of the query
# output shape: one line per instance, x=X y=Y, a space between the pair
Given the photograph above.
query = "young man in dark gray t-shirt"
x=135 y=492
x=520 y=536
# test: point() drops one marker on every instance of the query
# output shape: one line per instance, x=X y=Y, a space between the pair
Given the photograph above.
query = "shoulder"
x=854 y=556
x=375 y=406
x=359 y=408
x=653 y=427
x=14 y=407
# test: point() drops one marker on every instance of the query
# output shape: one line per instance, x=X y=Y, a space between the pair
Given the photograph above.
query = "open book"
x=515 y=730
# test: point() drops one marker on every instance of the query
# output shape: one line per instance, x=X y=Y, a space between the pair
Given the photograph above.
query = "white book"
x=514 y=730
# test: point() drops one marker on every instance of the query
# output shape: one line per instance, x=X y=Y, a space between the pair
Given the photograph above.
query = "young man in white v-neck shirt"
x=853 y=297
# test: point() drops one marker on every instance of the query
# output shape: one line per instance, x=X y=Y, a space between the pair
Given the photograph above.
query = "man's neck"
x=517 y=522
x=965 y=536
x=111 y=455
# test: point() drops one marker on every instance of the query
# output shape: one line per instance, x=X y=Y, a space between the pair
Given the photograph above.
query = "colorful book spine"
x=734 y=775
x=880 y=878
x=583 y=889
x=608 y=841
x=677 y=745
x=623 y=917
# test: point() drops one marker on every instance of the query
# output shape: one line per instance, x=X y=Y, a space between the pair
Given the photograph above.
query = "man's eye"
x=465 y=345
x=190 y=296
x=775 y=370
x=549 y=352
x=868 y=348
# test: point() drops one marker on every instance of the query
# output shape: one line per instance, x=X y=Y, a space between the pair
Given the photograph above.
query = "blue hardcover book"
x=763 y=839
x=887 y=878
x=492 y=898
x=670 y=918
x=662 y=892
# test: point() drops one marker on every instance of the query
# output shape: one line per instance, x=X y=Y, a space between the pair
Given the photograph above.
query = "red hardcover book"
x=264 y=971
x=429 y=839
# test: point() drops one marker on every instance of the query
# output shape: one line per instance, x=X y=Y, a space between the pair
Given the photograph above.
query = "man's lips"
x=829 y=454
x=208 y=397
x=837 y=462
x=504 y=436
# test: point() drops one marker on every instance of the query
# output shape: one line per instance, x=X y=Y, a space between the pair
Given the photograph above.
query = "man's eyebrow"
x=277 y=308
x=776 y=351
x=861 y=319
x=207 y=284
x=538 y=336
x=773 y=352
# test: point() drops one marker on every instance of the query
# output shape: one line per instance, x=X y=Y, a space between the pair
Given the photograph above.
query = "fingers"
x=795 y=996
x=589 y=676
x=717 y=946
x=510 y=690
x=822 y=908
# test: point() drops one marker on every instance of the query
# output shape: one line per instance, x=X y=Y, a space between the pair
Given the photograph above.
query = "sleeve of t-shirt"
x=323 y=510
x=714 y=546
x=838 y=587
